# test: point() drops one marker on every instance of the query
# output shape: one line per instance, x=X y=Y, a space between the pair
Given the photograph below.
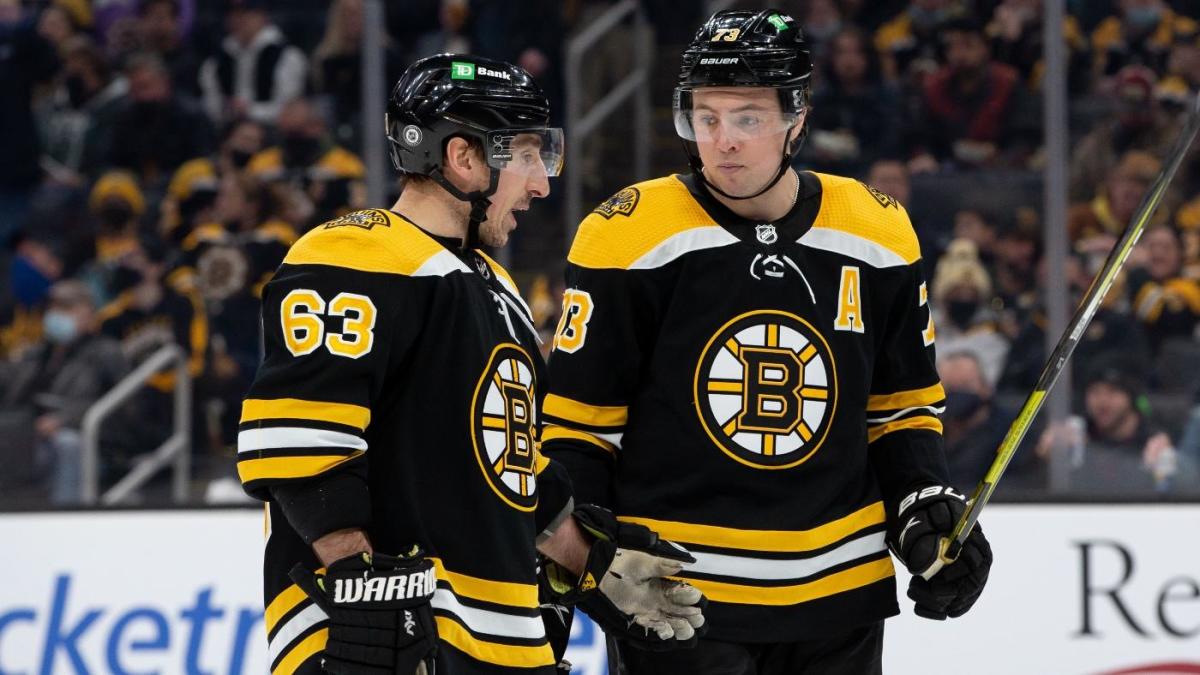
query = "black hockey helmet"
x=738 y=48
x=448 y=95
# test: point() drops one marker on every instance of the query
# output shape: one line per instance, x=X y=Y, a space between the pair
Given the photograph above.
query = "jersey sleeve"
x=904 y=430
x=329 y=333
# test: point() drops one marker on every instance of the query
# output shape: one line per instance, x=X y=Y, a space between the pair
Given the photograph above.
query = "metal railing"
x=176 y=449
x=635 y=85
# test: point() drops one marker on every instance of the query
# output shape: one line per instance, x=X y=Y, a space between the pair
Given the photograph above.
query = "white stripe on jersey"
x=765 y=569
x=295 y=626
x=852 y=245
x=695 y=239
x=440 y=264
x=296 y=437
x=490 y=622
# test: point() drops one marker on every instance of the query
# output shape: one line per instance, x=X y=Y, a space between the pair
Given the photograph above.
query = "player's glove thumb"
x=922 y=519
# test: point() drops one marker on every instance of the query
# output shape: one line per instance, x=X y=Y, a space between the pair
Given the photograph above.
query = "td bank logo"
x=462 y=71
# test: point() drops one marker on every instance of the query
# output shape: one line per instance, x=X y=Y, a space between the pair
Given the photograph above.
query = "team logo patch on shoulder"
x=885 y=200
x=766 y=389
x=364 y=219
x=503 y=426
x=622 y=203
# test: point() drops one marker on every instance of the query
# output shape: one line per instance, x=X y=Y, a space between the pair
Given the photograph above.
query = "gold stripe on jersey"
x=507 y=593
x=396 y=248
x=875 y=432
x=347 y=414
x=848 y=206
x=838 y=582
x=582 y=413
x=509 y=656
x=774 y=541
x=291 y=466
x=554 y=432
x=912 y=398
x=297 y=655
x=283 y=603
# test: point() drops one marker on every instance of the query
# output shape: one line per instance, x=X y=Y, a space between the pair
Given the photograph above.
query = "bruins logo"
x=503 y=426
x=885 y=200
x=766 y=389
x=623 y=203
x=364 y=219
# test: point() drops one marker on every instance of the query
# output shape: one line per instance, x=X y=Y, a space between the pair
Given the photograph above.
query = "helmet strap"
x=479 y=200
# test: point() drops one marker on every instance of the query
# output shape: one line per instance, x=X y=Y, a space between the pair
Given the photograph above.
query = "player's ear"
x=462 y=161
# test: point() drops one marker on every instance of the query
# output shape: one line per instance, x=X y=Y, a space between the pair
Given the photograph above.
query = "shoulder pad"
x=374 y=240
x=861 y=222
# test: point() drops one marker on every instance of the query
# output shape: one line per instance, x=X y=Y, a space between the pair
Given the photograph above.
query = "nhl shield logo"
x=766 y=233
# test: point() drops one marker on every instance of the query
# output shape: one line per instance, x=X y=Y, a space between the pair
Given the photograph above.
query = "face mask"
x=28 y=283
x=59 y=327
x=1144 y=18
x=76 y=91
x=124 y=278
x=240 y=158
x=147 y=110
x=299 y=150
x=960 y=405
x=925 y=18
x=961 y=311
x=114 y=216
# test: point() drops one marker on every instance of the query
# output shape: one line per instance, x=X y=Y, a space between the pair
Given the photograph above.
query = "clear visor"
x=705 y=126
x=528 y=152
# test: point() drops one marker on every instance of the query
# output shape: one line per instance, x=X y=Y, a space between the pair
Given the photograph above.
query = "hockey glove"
x=623 y=585
x=922 y=519
x=380 y=619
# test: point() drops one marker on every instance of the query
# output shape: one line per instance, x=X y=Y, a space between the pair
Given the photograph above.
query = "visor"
x=705 y=126
x=530 y=152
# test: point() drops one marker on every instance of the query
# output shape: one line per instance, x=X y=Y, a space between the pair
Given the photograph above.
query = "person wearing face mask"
x=973 y=424
x=961 y=295
x=35 y=264
x=116 y=203
x=908 y=44
x=88 y=96
x=1141 y=33
x=59 y=381
x=1015 y=31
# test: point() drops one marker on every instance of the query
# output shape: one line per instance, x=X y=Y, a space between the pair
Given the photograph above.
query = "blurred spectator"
x=337 y=68
x=970 y=103
x=59 y=381
x=1182 y=80
x=307 y=158
x=1016 y=34
x=908 y=44
x=63 y=20
x=961 y=295
x=1018 y=250
x=1139 y=124
x=256 y=71
x=822 y=20
x=26 y=59
x=1167 y=304
x=85 y=101
x=973 y=424
x=159 y=32
x=1120 y=450
x=1142 y=34
x=1094 y=227
x=34 y=267
x=1187 y=222
x=157 y=130
x=853 y=118
x=975 y=226
x=116 y=204
x=891 y=177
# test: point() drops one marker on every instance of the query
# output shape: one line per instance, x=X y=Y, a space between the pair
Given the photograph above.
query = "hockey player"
x=392 y=427
x=745 y=364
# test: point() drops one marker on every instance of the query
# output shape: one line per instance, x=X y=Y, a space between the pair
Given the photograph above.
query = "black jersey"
x=400 y=386
x=755 y=391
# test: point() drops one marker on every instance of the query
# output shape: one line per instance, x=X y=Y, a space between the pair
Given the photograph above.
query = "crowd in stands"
x=162 y=155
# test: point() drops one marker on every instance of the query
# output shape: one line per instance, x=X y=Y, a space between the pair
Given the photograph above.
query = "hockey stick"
x=950 y=547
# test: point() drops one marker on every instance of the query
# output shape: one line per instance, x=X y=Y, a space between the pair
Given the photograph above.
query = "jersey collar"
x=793 y=225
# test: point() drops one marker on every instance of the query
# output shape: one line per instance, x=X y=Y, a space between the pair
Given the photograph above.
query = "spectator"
x=159 y=32
x=63 y=20
x=961 y=295
x=853 y=119
x=1121 y=451
x=1182 y=80
x=1167 y=304
x=86 y=100
x=977 y=227
x=1142 y=35
x=157 y=130
x=308 y=159
x=60 y=380
x=255 y=72
x=34 y=267
x=822 y=20
x=116 y=204
x=973 y=424
x=891 y=177
x=970 y=103
x=1094 y=227
x=26 y=59
x=1016 y=34
x=1139 y=124
x=908 y=44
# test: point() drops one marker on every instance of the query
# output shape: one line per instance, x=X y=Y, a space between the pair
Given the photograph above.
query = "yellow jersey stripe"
x=907 y=399
x=584 y=413
x=510 y=656
x=400 y=248
x=348 y=414
x=540 y=462
x=920 y=422
x=847 y=206
x=839 y=582
x=507 y=593
x=282 y=604
x=292 y=466
x=300 y=653
x=553 y=432
x=775 y=541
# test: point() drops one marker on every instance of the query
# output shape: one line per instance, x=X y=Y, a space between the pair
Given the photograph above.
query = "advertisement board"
x=1076 y=590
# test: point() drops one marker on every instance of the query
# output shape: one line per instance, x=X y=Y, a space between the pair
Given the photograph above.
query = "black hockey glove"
x=380 y=620
x=922 y=519
x=623 y=585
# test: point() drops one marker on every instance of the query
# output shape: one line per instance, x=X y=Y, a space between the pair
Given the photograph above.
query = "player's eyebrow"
x=523 y=140
x=741 y=108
